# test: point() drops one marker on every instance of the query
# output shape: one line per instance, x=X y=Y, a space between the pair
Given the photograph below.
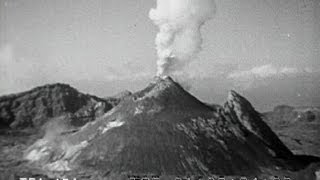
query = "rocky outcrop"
x=35 y=107
x=241 y=110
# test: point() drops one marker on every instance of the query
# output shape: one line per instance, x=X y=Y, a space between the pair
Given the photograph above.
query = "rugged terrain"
x=36 y=107
x=160 y=130
x=297 y=127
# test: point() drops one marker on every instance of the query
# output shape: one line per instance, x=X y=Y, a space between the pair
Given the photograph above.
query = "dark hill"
x=297 y=127
x=164 y=130
x=35 y=107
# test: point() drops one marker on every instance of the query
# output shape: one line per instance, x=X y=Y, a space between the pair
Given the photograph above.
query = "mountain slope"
x=241 y=109
x=164 y=130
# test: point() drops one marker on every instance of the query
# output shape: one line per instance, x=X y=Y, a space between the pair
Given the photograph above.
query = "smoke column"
x=179 y=37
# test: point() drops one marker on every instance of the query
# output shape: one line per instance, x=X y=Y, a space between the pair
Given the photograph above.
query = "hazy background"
x=268 y=50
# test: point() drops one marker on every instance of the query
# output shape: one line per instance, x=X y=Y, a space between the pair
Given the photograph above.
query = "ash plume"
x=179 y=37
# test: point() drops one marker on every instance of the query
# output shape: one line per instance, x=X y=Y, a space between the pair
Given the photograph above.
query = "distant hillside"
x=35 y=107
x=297 y=127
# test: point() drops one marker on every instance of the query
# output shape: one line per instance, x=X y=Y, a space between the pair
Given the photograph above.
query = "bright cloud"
x=263 y=75
x=289 y=70
x=265 y=71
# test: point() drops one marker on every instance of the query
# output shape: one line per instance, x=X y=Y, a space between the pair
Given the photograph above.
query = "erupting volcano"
x=161 y=130
x=164 y=130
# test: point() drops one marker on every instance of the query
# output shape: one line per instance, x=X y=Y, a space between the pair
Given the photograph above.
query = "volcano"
x=164 y=130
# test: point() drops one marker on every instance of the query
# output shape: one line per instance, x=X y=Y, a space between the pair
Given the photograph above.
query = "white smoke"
x=179 y=37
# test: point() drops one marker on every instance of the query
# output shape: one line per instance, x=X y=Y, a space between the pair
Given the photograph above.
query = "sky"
x=267 y=50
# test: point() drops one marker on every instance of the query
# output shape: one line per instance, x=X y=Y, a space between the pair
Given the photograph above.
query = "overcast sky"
x=268 y=50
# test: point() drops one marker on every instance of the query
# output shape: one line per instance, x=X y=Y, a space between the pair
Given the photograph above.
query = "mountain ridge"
x=35 y=107
x=251 y=119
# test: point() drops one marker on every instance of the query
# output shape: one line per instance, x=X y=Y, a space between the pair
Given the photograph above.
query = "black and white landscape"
x=57 y=131
x=99 y=89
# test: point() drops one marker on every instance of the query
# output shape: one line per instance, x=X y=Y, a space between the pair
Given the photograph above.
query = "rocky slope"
x=35 y=107
x=297 y=127
x=164 y=130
